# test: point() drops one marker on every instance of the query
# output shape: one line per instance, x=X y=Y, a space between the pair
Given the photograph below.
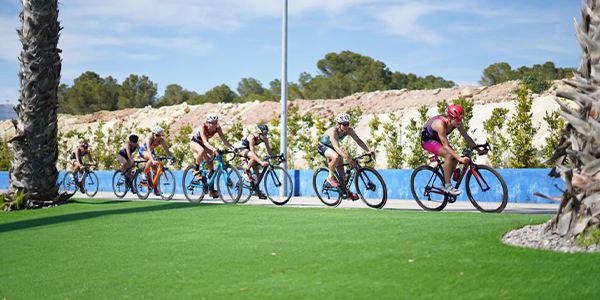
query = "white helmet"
x=157 y=130
x=210 y=118
x=343 y=118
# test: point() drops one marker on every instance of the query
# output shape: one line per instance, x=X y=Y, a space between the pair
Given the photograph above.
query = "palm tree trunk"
x=35 y=145
x=578 y=152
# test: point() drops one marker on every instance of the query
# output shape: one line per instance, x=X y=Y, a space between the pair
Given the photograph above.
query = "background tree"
x=497 y=73
x=35 y=147
x=521 y=130
x=494 y=127
x=579 y=209
x=417 y=155
x=175 y=94
x=89 y=93
x=136 y=92
x=218 y=94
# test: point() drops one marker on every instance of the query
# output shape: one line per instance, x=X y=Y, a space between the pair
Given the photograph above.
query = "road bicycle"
x=87 y=185
x=485 y=187
x=367 y=181
x=121 y=187
x=163 y=181
x=276 y=181
x=226 y=177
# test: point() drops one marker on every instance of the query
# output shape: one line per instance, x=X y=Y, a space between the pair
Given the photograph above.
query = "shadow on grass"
x=95 y=214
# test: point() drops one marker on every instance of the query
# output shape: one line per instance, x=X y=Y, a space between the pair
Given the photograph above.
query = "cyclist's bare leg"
x=151 y=163
x=449 y=164
x=334 y=160
x=124 y=163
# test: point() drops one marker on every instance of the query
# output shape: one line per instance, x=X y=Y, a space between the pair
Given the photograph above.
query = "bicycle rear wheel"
x=329 y=195
x=371 y=187
x=229 y=184
x=166 y=184
x=70 y=185
x=192 y=191
x=144 y=187
x=492 y=200
x=278 y=185
x=90 y=182
x=119 y=186
x=427 y=187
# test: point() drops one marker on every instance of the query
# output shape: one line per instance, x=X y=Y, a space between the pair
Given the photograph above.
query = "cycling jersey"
x=325 y=140
x=198 y=139
x=123 y=152
x=246 y=143
x=428 y=134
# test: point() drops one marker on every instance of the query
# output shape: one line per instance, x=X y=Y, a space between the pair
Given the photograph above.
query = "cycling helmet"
x=133 y=138
x=157 y=130
x=212 y=118
x=343 y=118
x=84 y=145
x=263 y=129
x=456 y=112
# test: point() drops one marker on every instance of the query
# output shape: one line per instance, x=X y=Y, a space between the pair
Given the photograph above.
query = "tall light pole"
x=284 y=85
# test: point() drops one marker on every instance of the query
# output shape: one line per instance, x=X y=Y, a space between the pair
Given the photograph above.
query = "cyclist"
x=147 y=152
x=77 y=161
x=329 y=147
x=125 y=155
x=434 y=138
x=248 y=151
x=203 y=150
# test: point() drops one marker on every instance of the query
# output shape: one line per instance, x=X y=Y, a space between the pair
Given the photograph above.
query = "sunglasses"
x=345 y=124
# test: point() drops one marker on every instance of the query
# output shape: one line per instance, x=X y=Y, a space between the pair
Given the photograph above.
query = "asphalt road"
x=398 y=204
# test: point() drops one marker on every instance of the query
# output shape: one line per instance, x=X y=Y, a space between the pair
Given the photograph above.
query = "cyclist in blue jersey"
x=329 y=147
x=147 y=152
x=434 y=138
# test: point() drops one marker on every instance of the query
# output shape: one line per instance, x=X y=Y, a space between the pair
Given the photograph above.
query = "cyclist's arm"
x=336 y=145
x=89 y=155
x=465 y=135
x=128 y=151
x=360 y=142
x=223 y=138
x=165 y=147
x=268 y=146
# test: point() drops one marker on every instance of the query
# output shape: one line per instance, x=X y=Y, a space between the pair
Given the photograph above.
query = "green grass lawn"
x=94 y=249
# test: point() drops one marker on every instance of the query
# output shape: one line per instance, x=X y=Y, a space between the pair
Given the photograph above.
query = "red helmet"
x=455 y=112
x=84 y=145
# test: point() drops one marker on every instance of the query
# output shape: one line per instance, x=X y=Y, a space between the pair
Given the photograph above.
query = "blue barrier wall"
x=521 y=183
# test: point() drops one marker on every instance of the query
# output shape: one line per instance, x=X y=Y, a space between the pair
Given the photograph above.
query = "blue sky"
x=200 y=44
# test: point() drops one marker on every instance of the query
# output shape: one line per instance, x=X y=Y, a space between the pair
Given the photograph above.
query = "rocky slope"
x=403 y=103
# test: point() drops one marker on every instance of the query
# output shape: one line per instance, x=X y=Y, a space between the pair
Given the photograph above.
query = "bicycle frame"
x=218 y=168
x=468 y=167
x=254 y=185
x=348 y=183
x=159 y=170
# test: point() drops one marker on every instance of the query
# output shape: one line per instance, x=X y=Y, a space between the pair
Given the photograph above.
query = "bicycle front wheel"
x=371 y=187
x=119 y=185
x=192 y=190
x=229 y=184
x=166 y=184
x=143 y=187
x=69 y=185
x=278 y=185
x=486 y=189
x=90 y=182
x=329 y=195
x=427 y=187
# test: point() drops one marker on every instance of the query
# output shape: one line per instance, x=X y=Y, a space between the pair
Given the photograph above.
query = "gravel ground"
x=534 y=236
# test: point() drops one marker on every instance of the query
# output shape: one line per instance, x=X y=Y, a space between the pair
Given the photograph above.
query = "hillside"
x=403 y=103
